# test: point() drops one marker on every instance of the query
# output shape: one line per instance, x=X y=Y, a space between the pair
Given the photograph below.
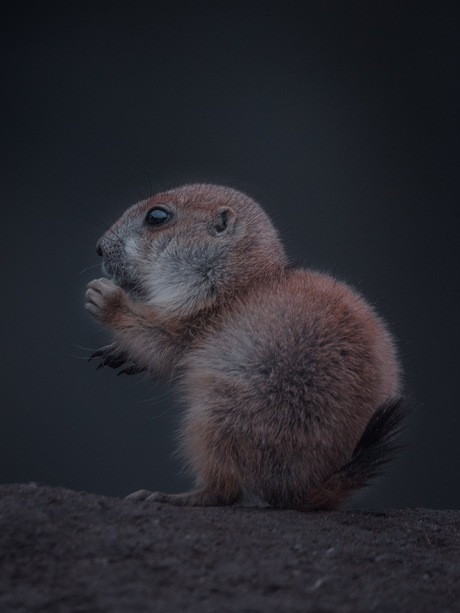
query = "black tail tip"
x=379 y=442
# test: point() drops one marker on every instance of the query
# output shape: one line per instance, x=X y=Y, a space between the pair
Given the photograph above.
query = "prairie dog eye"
x=157 y=216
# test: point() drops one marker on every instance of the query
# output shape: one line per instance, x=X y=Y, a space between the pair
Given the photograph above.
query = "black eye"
x=156 y=217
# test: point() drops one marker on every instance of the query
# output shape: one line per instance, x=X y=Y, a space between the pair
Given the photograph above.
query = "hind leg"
x=212 y=457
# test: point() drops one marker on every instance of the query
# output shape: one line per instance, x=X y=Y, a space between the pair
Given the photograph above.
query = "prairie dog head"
x=184 y=249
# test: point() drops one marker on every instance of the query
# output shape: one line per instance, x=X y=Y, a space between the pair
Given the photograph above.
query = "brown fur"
x=280 y=369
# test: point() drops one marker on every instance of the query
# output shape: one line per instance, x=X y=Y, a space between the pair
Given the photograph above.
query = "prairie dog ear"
x=224 y=222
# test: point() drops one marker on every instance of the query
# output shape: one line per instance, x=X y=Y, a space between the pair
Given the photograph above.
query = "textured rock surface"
x=69 y=551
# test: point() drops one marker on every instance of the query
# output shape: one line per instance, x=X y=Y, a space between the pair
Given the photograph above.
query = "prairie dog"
x=290 y=380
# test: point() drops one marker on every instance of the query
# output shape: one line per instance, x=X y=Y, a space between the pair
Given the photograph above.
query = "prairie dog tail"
x=374 y=450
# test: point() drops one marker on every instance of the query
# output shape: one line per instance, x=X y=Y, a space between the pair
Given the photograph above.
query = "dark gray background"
x=340 y=117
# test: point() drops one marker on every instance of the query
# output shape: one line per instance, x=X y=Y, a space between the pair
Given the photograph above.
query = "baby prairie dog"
x=290 y=379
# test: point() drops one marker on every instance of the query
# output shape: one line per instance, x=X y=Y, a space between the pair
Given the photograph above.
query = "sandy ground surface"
x=65 y=551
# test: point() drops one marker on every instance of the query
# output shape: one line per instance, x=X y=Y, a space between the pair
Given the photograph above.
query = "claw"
x=139 y=496
x=96 y=354
x=114 y=361
x=131 y=370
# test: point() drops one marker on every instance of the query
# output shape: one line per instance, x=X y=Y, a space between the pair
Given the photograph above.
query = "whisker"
x=157 y=416
x=153 y=399
x=89 y=268
x=83 y=348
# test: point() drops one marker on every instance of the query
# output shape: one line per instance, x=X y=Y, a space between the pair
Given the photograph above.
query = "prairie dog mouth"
x=121 y=277
x=132 y=288
x=123 y=281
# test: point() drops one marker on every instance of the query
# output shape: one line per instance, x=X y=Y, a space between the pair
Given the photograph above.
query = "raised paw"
x=110 y=356
x=131 y=370
x=105 y=301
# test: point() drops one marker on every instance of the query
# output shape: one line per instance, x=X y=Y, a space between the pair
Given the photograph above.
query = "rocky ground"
x=73 y=552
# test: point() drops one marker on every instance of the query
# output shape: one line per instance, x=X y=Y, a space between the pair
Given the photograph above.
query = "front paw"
x=113 y=357
x=105 y=301
x=110 y=355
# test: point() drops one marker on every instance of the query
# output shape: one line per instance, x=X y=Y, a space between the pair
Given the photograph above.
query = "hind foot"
x=198 y=498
